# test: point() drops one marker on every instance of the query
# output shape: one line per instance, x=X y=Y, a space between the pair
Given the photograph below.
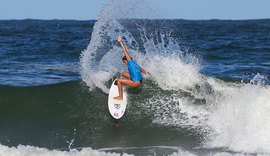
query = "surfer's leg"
x=127 y=82
x=120 y=90
x=126 y=74
x=130 y=83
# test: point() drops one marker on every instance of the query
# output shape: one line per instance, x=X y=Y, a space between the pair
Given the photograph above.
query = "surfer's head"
x=124 y=59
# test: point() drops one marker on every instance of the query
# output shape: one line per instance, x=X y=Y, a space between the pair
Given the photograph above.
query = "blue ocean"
x=208 y=93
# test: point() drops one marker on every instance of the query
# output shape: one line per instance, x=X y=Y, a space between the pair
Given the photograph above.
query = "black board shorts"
x=140 y=81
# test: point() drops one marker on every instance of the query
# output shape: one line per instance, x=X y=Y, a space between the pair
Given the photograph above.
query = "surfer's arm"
x=124 y=48
x=144 y=71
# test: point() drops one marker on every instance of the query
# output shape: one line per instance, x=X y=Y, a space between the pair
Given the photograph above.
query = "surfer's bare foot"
x=118 y=98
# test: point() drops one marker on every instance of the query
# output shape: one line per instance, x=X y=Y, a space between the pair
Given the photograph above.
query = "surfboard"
x=117 y=108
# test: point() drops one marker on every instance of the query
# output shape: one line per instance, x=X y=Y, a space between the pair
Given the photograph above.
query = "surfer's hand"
x=119 y=39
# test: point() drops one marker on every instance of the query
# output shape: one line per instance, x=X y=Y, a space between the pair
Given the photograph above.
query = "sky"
x=174 y=9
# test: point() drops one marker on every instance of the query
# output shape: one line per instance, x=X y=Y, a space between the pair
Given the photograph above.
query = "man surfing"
x=132 y=77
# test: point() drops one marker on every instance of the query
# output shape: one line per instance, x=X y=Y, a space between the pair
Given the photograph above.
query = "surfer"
x=132 y=77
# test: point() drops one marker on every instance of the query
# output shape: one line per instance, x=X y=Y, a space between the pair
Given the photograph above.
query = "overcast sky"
x=180 y=9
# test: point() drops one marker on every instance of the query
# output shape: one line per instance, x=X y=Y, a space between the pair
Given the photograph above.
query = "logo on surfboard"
x=117 y=106
x=116 y=114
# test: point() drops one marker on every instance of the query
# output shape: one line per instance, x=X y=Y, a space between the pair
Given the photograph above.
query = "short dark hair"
x=125 y=58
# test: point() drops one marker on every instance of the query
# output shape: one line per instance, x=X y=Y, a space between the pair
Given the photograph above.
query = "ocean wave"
x=226 y=115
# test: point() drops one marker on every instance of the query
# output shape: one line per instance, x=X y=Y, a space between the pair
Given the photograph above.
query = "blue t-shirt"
x=134 y=71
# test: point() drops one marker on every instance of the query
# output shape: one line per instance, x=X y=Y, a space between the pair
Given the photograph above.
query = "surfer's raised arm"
x=127 y=54
x=123 y=47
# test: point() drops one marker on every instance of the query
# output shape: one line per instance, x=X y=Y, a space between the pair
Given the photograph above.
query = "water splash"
x=241 y=120
x=100 y=61
x=259 y=79
x=70 y=143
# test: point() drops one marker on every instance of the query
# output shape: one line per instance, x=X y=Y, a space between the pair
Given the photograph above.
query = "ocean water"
x=208 y=93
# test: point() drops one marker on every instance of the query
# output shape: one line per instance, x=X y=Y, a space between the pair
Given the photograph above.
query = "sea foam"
x=37 y=151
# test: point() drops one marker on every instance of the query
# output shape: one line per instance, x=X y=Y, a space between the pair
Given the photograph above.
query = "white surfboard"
x=116 y=107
